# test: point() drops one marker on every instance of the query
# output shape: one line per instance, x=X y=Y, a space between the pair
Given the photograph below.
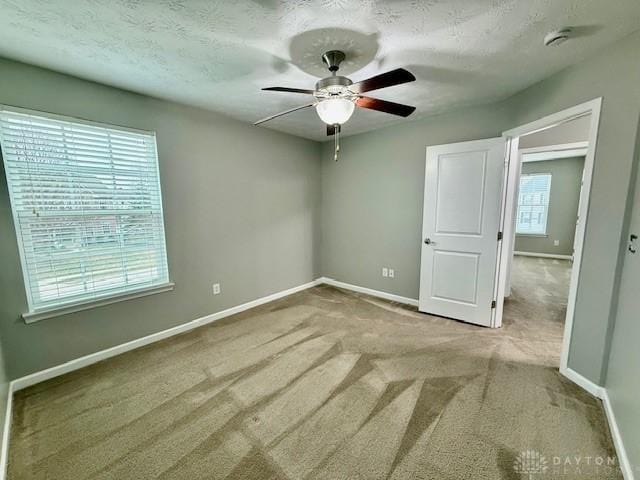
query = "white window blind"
x=86 y=206
x=533 y=204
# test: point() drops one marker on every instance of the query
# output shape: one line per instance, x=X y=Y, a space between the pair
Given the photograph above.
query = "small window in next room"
x=86 y=206
x=533 y=204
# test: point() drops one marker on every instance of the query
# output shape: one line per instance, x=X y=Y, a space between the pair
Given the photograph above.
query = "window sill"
x=32 y=317
x=541 y=235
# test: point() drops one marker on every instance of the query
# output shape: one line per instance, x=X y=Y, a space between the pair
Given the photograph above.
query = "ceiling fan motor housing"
x=335 y=84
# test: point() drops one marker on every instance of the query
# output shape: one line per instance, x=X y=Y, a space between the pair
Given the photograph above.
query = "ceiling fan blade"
x=385 y=106
x=332 y=129
x=388 y=79
x=292 y=90
x=284 y=113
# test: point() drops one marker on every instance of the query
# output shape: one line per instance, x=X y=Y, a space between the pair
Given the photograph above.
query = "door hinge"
x=499 y=236
x=493 y=304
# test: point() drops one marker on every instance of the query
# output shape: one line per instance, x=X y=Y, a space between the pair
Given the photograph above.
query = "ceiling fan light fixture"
x=336 y=97
x=335 y=111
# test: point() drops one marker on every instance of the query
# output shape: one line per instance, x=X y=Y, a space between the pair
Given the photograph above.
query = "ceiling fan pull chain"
x=336 y=139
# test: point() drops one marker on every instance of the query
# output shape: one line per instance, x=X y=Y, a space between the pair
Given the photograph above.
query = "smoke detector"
x=557 y=37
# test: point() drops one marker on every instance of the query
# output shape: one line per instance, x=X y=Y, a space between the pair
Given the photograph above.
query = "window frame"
x=35 y=313
x=546 y=221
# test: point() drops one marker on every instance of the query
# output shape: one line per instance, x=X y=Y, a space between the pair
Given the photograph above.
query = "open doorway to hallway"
x=545 y=213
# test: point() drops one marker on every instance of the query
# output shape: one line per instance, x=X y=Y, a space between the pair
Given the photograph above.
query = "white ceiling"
x=217 y=54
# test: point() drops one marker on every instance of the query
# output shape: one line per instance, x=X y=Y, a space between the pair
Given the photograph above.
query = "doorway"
x=544 y=227
x=546 y=219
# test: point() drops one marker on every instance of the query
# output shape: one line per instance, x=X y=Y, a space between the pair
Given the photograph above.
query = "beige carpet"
x=327 y=384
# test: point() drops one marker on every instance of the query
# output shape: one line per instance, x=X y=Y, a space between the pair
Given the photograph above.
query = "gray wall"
x=372 y=198
x=4 y=388
x=566 y=175
x=241 y=206
x=623 y=378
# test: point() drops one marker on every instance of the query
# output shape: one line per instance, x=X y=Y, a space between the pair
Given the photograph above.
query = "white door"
x=461 y=218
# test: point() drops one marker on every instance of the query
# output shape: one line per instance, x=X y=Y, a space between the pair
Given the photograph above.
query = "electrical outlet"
x=556 y=243
x=392 y=273
x=216 y=288
x=385 y=272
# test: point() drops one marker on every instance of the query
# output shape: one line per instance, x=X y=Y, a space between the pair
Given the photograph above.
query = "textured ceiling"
x=217 y=54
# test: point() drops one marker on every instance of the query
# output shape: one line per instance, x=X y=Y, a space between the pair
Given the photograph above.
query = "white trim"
x=583 y=382
x=601 y=393
x=592 y=107
x=67 y=118
x=37 y=377
x=6 y=433
x=31 y=317
x=503 y=242
x=585 y=195
x=43 y=375
x=553 y=155
x=554 y=152
x=560 y=147
x=623 y=459
x=369 y=291
x=543 y=255
x=508 y=227
x=70 y=366
x=555 y=119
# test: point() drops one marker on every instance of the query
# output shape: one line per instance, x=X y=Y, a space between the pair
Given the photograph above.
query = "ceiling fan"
x=336 y=96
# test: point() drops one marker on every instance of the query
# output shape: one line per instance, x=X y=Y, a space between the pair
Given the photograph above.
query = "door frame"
x=509 y=207
x=554 y=152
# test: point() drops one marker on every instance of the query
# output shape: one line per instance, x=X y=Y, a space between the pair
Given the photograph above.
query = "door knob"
x=428 y=241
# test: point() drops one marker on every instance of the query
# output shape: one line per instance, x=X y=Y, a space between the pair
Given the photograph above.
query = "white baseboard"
x=543 y=255
x=6 y=433
x=601 y=393
x=28 y=380
x=623 y=459
x=588 y=385
x=369 y=291
x=70 y=366
x=37 y=377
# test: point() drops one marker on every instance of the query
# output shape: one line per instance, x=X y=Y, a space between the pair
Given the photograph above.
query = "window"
x=86 y=206
x=533 y=204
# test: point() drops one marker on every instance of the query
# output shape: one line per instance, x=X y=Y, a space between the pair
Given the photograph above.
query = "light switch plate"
x=385 y=272
x=392 y=273
x=216 y=288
